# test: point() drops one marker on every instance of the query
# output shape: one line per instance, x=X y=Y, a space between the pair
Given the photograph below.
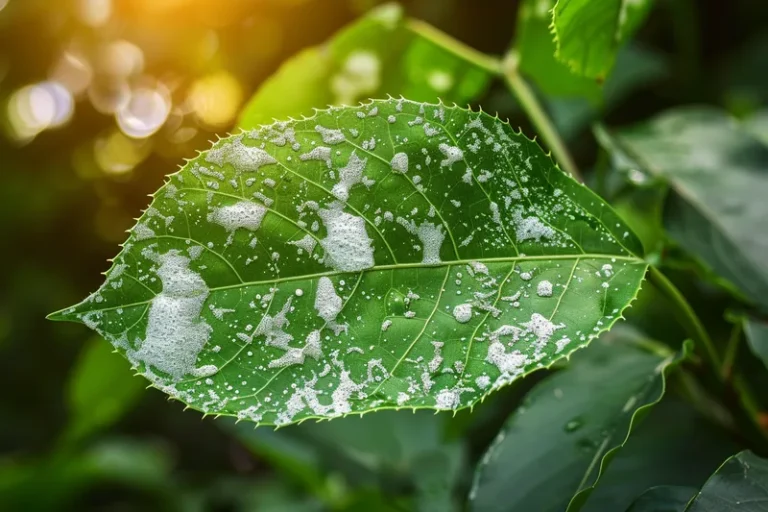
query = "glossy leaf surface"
x=570 y=427
x=392 y=255
x=720 y=177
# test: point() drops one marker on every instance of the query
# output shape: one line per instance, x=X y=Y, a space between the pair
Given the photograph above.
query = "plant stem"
x=427 y=31
x=696 y=331
x=536 y=113
x=686 y=316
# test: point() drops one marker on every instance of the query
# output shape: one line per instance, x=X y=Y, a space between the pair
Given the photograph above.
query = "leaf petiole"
x=537 y=115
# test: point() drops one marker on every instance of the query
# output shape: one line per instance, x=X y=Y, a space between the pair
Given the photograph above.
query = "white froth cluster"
x=175 y=332
x=347 y=246
x=245 y=214
x=241 y=156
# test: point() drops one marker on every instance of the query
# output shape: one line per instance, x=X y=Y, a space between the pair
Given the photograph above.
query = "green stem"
x=696 y=330
x=461 y=50
x=686 y=315
x=536 y=113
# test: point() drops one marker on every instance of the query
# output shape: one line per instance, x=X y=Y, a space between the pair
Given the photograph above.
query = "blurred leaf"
x=102 y=388
x=757 y=125
x=636 y=67
x=58 y=481
x=380 y=54
x=386 y=449
x=238 y=318
x=674 y=446
x=571 y=426
x=589 y=33
x=664 y=498
x=720 y=176
x=740 y=484
x=535 y=47
x=756 y=332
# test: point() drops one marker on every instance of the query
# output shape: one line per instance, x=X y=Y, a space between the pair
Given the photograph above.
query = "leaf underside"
x=391 y=255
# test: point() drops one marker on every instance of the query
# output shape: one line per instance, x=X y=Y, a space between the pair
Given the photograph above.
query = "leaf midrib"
x=397 y=266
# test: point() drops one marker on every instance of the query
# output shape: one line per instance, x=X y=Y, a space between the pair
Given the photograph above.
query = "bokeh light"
x=35 y=108
x=117 y=154
x=145 y=111
x=215 y=98
x=94 y=12
x=73 y=71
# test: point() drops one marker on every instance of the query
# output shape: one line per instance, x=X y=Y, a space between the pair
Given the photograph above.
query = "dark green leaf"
x=664 y=498
x=535 y=48
x=674 y=446
x=381 y=54
x=589 y=33
x=740 y=485
x=102 y=388
x=720 y=177
x=372 y=257
x=388 y=449
x=570 y=428
x=756 y=332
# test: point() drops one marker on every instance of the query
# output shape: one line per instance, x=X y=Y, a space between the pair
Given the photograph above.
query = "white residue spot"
x=400 y=162
x=175 y=331
x=327 y=302
x=320 y=153
x=527 y=228
x=544 y=288
x=347 y=246
x=245 y=214
x=507 y=363
x=447 y=399
x=307 y=243
x=330 y=136
x=143 y=232
x=463 y=313
x=437 y=359
x=350 y=175
x=483 y=381
x=452 y=154
x=541 y=327
x=431 y=237
x=241 y=156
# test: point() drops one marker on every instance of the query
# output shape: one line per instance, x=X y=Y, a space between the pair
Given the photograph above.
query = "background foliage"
x=148 y=83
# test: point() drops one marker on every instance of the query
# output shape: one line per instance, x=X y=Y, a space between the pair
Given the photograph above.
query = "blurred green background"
x=100 y=99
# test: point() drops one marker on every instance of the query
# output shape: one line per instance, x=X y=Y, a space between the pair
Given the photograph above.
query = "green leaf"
x=380 y=54
x=664 y=498
x=756 y=332
x=102 y=388
x=719 y=174
x=674 y=446
x=535 y=48
x=589 y=33
x=741 y=484
x=571 y=426
x=757 y=125
x=388 y=449
x=372 y=257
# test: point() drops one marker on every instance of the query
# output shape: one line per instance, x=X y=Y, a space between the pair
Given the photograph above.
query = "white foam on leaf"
x=245 y=214
x=175 y=332
x=347 y=245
